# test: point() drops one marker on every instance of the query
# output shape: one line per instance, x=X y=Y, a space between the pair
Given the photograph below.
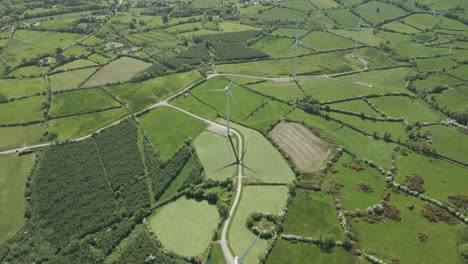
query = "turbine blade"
x=216 y=90
x=357 y=28
x=293 y=46
x=231 y=82
x=226 y=166
x=234 y=99
x=305 y=45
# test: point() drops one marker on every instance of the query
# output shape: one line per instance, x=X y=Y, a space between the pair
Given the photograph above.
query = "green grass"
x=450 y=142
x=76 y=50
x=341 y=61
x=422 y=21
x=279 y=47
x=17 y=50
x=460 y=72
x=413 y=50
x=206 y=3
x=22 y=110
x=80 y=63
x=70 y=79
x=234 y=27
x=378 y=151
x=359 y=106
x=215 y=152
x=400 y=27
x=19 y=87
x=453 y=98
x=189 y=27
x=82 y=125
x=98 y=58
x=297 y=253
x=396 y=129
x=216 y=255
x=326 y=41
x=321 y=4
x=435 y=63
x=14 y=171
x=297 y=5
x=185 y=226
x=283 y=14
x=351 y=197
x=441 y=178
x=401 y=239
x=392 y=80
x=266 y=162
x=47 y=40
x=366 y=36
x=344 y=17
x=18 y=136
x=434 y=80
x=161 y=124
x=412 y=109
x=288 y=91
x=288 y=32
x=80 y=101
x=308 y=203
x=140 y=95
x=266 y=116
x=29 y=71
x=369 y=11
x=120 y=70
x=266 y=199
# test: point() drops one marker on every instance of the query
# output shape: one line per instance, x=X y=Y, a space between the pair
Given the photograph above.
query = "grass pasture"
x=435 y=80
x=306 y=203
x=24 y=110
x=185 y=227
x=80 y=101
x=306 y=150
x=82 y=125
x=366 y=36
x=454 y=98
x=358 y=106
x=20 y=87
x=397 y=26
x=80 y=63
x=235 y=27
x=14 y=171
x=325 y=41
x=344 y=17
x=120 y=70
x=460 y=72
x=283 y=14
x=20 y=136
x=28 y=71
x=430 y=64
x=376 y=12
x=215 y=152
x=143 y=94
x=71 y=79
x=288 y=91
x=422 y=21
x=449 y=141
x=46 y=40
x=160 y=124
x=279 y=47
x=265 y=117
x=266 y=199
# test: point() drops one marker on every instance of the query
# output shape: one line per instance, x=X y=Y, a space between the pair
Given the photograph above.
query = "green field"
x=412 y=109
x=288 y=91
x=450 y=142
x=160 y=124
x=441 y=178
x=120 y=70
x=279 y=47
x=266 y=199
x=14 y=171
x=376 y=12
x=70 y=79
x=18 y=136
x=366 y=36
x=16 y=87
x=308 y=203
x=422 y=21
x=29 y=71
x=24 y=110
x=140 y=95
x=265 y=162
x=80 y=63
x=435 y=63
x=436 y=80
x=185 y=226
x=460 y=72
x=80 y=101
x=296 y=253
x=358 y=106
x=215 y=152
x=453 y=98
x=344 y=17
x=82 y=125
x=326 y=41
x=234 y=27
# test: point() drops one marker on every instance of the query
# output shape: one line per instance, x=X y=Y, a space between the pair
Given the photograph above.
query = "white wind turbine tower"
x=358 y=30
x=295 y=46
x=227 y=90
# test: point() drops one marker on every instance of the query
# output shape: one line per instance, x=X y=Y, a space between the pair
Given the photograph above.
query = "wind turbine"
x=358 y=30
x=227 y=90
x=295 y=46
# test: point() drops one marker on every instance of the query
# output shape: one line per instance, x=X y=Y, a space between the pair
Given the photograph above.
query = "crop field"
x=14 y=171
x=306 y=150
x=325 y=41
x=120 y=70
x=411 y=109
x=80 y=101
x=376 y=12
x=441 y=178
x=82 y=125
x=308 y=203
x=185 y=226
x=70 y=79
x=266 y=199
x=160 y=125
x=24 y=110
x=279 y=47
x=148 y=92
x=215 y=152
x=265 y=162
x=16 y=87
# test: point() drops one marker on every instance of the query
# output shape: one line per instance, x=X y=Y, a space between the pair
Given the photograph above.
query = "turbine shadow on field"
x=239 y=160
